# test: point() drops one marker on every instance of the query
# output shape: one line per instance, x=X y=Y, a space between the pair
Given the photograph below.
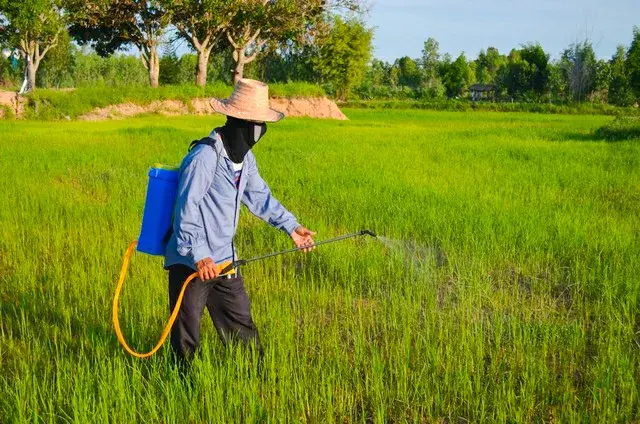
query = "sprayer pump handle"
x=232 y=265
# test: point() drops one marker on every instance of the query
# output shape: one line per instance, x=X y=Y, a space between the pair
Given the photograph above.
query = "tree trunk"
x=238 y=72
x=32 y=69
x=154 y=67
x=203 y=63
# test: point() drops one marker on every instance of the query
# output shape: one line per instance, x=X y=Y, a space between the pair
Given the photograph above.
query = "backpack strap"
x=204 y=140
x=209 y=141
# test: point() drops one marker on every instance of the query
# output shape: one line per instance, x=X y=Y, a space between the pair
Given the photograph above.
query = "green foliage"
x=113 y=25
x=6 y=112
x=527 y=73
x=9 y=77
x=538 y=61
x=620 y=92
x=33 y=26
x=176 y=70
x=58 y=66
x=113 y=71
x=33 y=20
x=289 y=63
x=431 y=87
x=488 y=64
x=579 y=69
x=507 y=290
x=408 y=72
x=430 y=59
x=295 y=89
x=621 y=128
x=342 y=58
x=182 y=70
x=633 y=64
x=456 y=76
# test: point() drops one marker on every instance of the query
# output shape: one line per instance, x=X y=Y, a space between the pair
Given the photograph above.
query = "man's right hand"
x=207 y=269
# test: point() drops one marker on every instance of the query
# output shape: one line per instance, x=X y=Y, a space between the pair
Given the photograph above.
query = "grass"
x=622 y=128
x=507 y=289
x=465 y=105
x=60 y=104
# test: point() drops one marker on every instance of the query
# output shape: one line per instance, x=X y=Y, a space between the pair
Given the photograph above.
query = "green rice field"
x=505 y=288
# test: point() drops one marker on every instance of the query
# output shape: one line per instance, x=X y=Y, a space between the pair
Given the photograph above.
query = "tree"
x=601 y=81
x=431 y=85
x=377 y=81
x=514 y=77
x=430 y=58
x=578 y=64
x=342 y=58
x=488 y=64
x=263 y=25
x=619 y=89
x=538 y=63
x=201 y=23
x=527 y=72
x=482 y=72
x=34 y=27
x=289 y=62
x=111 y=25
x=256 y=22
x=455 y=75
x=633 y=64
x=57 y=68
x=409 y=74
x=557 y=82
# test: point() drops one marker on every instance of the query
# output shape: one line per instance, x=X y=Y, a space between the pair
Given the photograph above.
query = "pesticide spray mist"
x=416 y=253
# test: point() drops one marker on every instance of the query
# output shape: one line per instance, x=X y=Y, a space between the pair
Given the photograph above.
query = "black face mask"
x=239 y=136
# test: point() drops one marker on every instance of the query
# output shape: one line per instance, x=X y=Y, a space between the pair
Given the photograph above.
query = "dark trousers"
x=228 y=305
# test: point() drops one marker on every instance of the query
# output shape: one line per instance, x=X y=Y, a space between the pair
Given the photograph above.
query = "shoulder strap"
x=205 y=140
x=210 y=142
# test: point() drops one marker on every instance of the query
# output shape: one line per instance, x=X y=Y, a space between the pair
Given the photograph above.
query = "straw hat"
x=249 y=101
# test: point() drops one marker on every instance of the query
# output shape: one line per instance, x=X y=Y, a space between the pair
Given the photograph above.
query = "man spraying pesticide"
x=191 y=216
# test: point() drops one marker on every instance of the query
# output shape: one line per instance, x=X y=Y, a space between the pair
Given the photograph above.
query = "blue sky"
x=402 y=26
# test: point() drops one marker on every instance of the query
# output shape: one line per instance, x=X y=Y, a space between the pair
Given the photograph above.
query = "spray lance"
x=156 y=224
x=241 y=262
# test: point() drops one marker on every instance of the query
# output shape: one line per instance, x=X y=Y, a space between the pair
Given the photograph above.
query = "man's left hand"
x=302 y=237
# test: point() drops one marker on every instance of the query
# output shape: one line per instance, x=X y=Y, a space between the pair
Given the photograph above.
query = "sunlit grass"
x=507 y=289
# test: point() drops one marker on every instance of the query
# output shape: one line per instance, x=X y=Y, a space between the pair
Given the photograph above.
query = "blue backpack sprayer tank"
x=157 y=221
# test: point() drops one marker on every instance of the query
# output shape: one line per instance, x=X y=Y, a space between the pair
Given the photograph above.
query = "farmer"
x=217 y=175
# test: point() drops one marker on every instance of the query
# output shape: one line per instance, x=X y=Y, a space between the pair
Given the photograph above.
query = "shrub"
x=621 y=128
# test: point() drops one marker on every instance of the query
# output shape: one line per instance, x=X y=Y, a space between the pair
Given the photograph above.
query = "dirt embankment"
x=12 y=101
x=313 y=107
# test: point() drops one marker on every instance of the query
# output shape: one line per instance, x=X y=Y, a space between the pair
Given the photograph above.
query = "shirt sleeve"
x=195 y=180
x=259 y=200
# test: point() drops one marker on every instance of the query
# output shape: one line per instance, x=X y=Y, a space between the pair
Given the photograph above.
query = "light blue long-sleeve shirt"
x=208 y=205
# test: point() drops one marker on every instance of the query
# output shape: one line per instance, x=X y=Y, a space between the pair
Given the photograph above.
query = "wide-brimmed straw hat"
x=249 y=101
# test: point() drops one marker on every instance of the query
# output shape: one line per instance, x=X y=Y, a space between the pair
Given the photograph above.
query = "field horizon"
x=507 y=288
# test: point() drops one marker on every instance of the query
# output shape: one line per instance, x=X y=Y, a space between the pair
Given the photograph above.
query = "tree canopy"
x=34 y=27
x=110 y=25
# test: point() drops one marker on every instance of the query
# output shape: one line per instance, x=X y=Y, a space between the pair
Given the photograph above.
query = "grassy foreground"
x=507 y=289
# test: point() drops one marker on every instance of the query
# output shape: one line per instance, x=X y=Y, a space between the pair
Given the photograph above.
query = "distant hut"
x=482 y=92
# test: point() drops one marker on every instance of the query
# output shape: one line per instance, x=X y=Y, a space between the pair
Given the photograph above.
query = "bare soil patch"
x=320 y=107
x=12 y=101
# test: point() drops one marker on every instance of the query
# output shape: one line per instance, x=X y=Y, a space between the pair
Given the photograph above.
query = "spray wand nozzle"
x=241 y=262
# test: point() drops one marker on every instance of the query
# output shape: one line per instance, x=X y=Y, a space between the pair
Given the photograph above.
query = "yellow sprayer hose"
x=172 y=318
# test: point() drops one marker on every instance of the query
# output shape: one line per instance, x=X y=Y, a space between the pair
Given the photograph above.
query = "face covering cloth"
x=239 y=136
